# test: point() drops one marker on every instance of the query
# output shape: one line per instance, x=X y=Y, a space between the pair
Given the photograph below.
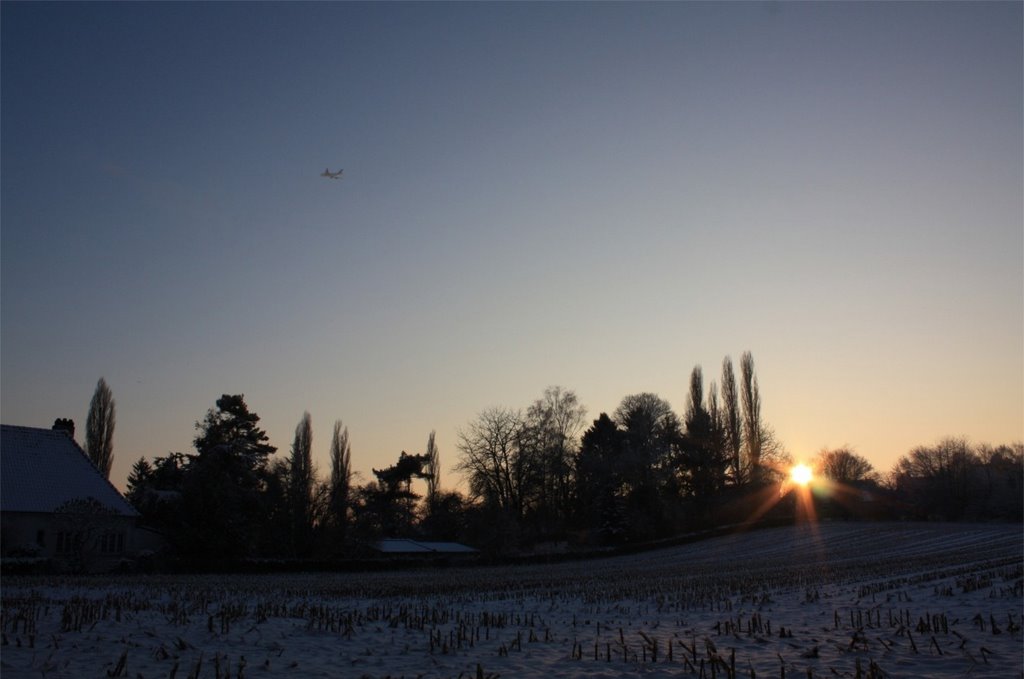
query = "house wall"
x=70 y=541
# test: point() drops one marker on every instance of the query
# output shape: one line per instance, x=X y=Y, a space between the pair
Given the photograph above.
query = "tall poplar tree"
x=432 y=469
x=99 y=428
x=701 y=454
x=300 y=483
x=732 y=421
x=752 y=427
x=341 y=478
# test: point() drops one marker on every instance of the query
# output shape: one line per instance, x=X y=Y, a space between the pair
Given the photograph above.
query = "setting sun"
x=800 y=474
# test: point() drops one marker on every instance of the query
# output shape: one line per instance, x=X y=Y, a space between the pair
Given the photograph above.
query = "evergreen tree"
x=139 y=477
x=391 y=500
x=232 y=426
x=599 y=481
x=155 y=490
x=222 y=489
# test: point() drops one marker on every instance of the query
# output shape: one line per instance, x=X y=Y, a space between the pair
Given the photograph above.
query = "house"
x=56 y=506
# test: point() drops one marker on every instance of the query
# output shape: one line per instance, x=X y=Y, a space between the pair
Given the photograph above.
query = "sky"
x=599 y=196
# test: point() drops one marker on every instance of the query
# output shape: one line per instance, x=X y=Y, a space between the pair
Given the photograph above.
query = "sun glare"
x=801 y=474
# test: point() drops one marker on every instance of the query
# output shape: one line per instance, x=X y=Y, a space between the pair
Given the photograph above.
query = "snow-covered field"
x=845 y=599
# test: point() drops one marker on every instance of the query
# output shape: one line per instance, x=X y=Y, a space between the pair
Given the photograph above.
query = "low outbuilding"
x=402 y=546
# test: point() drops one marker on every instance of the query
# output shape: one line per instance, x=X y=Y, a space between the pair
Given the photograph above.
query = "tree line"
x=542 y=474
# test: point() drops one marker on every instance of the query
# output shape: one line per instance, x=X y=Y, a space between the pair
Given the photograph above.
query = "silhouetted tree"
x=432 y=468
x=937 y=479
x=323 y=534
x=223 y=484
x=651 y=431
x=446 y=516
x=844 y=466
x=599 y=482
x=732 y=421
x=387 y=507
x=1002 y=481
x=550 y=436
x=277 y=530
x=155 y=490
x=650 y=428
x=753 y=431
x=955 y=480
x=499 y=471
x=99 y=428
x=702 y=460
x=231 y=425
x=775 y=459
x=138 y=479
x=300 y=485
x=341 y=480
x=442 y=516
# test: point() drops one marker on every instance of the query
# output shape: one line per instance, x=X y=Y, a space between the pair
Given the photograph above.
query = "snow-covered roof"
x=403 y=546
x=41 y=469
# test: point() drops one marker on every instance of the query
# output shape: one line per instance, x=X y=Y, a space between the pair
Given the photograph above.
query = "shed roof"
x=404 y=546
x=41 y=469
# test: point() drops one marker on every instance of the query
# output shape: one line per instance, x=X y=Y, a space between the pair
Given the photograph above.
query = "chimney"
x=66 y=425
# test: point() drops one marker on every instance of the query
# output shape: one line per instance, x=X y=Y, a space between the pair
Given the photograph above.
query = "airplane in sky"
x=331 y=175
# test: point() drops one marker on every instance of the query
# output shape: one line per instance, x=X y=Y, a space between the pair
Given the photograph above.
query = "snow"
x=843 y=599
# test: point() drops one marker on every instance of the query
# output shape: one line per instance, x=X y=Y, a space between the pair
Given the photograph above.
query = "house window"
x=65 y=542
x=112 y=542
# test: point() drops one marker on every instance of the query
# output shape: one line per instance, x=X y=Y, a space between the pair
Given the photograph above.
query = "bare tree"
x=844 y=466
x=939 y=475
x=732 y=421
x=99 y=428
x=552 y=430
x=753 y=430
x=81 y=525
x=432 y=468
x=1001 y=477
x=341 y=476
x=498 y=469
x=775 y=459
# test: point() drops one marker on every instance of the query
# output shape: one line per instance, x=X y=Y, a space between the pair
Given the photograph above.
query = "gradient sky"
x=597 y=196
